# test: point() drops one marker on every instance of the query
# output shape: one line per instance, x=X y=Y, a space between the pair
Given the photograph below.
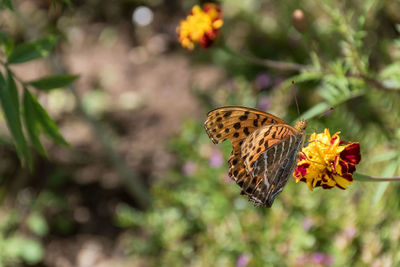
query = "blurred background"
x=142 y=185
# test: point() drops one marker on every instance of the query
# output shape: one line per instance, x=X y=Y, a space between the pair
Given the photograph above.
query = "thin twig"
x=373 y=82
x=287 y=66
x=385 y=179
x=279 y=65
x=273 y=64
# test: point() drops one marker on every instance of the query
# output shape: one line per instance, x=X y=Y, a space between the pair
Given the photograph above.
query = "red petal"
x=205 y=41
x=208 y=6
x=352 y=168
x=348 y=177
x=301 y=170
x=335 y=163
x=333 y=139
x=351 y=153
x=301 y=157
x=344 y=166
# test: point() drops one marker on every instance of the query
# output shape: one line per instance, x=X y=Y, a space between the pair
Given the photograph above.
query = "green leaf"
x=10 y=104
x=32 y=50
x=37 y=224
x=31 y=251
x=68 y=2
x=314 y=111
x=3 y=37
x=31 y=122
x=52 y=82
x=8 y=4
x=41 y=120
x=7 y=44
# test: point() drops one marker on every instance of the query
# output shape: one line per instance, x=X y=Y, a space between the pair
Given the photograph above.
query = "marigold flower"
x=327 y=161
x=200 y=26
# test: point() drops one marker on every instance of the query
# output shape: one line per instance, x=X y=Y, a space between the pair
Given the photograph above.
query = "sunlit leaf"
x=53 y=82
x=31 y=251
x=37 y=224
x=315 y=111
x=32 y=50
x=42 y=121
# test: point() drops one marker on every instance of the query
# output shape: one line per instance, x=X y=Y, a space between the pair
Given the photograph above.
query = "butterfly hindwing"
x=275 y=166
x=262 y=139
x=265 y=155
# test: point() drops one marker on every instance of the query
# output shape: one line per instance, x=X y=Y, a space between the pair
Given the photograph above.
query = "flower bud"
x=299 y=21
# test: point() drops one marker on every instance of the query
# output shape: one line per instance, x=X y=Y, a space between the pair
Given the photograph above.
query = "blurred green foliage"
x=35 y=117
x=348 y=56
x=198 y=216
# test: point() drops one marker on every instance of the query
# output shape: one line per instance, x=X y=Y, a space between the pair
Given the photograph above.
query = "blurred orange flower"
x=327 y=161
x=200 y=26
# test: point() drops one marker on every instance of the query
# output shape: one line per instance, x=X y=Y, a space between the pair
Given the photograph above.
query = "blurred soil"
x=141 y=95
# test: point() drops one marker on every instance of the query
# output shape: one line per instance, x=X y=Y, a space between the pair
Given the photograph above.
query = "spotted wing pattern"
x=235 y=124
x=269 y=156
x=264 y=151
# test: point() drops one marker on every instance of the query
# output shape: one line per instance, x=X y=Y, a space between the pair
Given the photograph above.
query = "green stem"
x=268 y=63
x=366 y=178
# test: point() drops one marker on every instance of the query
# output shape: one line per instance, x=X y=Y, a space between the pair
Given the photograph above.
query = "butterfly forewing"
x=235 y=123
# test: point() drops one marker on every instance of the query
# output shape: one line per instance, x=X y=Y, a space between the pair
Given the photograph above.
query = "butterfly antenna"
x=310 y=159
x=295 y=98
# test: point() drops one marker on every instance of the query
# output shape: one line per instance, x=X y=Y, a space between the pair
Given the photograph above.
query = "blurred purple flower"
x=350 y=232
x=263 y=80
x=302 y=260
x=232 y=85
x=278 y=81
x=189 y=167
x=242 y=260
x=318 y=257
x=328 y=260
x=216 y=159
x=227 y=178
x=264 y=103
x=308 y=223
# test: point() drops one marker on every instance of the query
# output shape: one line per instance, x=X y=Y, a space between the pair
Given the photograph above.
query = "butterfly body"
x=265 y=149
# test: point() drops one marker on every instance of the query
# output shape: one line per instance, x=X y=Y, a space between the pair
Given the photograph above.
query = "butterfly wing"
x=235 y=124
x=269 y=157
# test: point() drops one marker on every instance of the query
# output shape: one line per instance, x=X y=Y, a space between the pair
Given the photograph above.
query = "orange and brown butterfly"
x=265 y=149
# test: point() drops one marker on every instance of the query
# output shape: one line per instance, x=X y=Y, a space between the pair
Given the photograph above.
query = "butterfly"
x=264 y=149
